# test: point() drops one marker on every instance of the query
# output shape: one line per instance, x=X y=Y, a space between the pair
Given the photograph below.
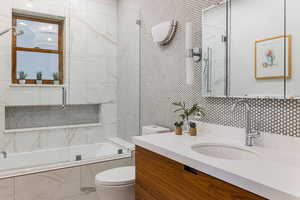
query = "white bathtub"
x=43 y=160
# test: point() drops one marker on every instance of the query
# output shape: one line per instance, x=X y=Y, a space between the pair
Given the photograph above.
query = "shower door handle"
x=208 y=75
x=64 y=99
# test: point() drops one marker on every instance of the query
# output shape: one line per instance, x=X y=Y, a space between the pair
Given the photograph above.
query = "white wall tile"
x=8 y=142
x=110 y=130
x=53 y=7
x=23 y=96
x=76 y=136
x=5 y=40
x=78 y=93
x=96 y=135
x=5 y=68
x=109 y=113
x=51 y=96
x=5 y=10
x=53 y=139
x=27 y=142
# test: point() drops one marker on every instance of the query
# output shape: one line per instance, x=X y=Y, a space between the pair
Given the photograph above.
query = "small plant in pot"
x=39 y=78
x=187 y=112
x=22 y=77
x=178 y=127
x=193 y=129
x=55 y=76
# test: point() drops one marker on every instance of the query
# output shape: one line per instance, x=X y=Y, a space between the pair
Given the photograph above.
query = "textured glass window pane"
x=33 y=62
x=37 y=35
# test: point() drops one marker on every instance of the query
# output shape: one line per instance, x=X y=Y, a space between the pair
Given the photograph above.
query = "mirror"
x=293 y=30
x=246 y=50
x=214 y=50
x=256 y=46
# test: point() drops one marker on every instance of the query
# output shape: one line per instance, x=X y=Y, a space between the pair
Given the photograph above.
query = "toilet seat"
x=116 y=177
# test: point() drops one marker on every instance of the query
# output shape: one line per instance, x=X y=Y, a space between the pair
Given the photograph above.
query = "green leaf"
x=179 y=109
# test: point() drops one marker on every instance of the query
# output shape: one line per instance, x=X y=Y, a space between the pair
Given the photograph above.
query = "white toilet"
x=116 y=184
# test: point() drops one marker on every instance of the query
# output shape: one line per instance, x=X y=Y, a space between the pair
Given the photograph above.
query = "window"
x=37 y=48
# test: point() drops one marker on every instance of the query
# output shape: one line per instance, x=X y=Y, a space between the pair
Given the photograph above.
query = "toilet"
x=116 y=184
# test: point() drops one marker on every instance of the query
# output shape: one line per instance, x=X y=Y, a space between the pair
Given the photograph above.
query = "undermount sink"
x=223 y=151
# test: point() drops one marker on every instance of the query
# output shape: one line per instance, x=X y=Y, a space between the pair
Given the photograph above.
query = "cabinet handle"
x=190 y=170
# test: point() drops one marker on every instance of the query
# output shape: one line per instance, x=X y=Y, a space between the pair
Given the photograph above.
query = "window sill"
x=35 y=85
x=11 y=131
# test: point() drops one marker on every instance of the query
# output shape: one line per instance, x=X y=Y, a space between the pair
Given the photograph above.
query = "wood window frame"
x=60 y=50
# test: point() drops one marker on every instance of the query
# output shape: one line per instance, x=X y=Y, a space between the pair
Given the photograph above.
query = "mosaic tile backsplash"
x=273 y=116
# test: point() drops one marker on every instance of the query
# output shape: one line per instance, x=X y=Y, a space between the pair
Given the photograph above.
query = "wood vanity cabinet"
x=159 y=178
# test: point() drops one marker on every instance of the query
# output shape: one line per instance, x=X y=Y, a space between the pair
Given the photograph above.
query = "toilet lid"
x=116 y=176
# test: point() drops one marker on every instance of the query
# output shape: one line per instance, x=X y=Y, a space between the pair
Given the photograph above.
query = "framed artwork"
x=269 y=58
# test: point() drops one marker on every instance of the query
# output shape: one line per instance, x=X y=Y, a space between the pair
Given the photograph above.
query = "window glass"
x=33 y=62
x=37 y=34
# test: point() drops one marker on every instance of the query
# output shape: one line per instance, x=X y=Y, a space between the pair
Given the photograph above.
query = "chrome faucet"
x=4 y=153
x=250 y=134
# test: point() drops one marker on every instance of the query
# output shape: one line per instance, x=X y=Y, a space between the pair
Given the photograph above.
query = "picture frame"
x=269 y=58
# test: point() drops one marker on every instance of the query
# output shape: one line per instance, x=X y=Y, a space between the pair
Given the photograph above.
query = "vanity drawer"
x=160 y=178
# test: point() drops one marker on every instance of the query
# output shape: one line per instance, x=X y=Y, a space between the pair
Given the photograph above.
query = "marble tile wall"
x=90 y=73
x=56 y=138
x=63 y=184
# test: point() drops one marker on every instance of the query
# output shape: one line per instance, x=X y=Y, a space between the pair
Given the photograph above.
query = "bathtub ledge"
x=54 y=167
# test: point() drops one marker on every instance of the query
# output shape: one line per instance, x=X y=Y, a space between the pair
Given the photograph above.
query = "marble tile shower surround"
x=163 y=77
x=47 y=116
x=48 y=139
x=90 y=67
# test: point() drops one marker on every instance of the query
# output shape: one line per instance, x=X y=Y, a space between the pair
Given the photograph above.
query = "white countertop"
x=274 y=174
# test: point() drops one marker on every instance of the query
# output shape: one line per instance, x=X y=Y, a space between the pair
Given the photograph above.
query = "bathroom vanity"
x=215 y=165
x=161 y=178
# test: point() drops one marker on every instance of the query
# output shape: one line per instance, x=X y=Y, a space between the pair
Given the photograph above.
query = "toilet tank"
x=154 y=129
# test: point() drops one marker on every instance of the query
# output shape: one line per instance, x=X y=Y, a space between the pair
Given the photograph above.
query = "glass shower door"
x=128 y=59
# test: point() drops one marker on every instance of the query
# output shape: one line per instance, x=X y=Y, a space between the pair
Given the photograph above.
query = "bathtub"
x=17 y=164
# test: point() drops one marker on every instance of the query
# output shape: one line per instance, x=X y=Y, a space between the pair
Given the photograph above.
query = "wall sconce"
x=193 y=54
x=164 y=33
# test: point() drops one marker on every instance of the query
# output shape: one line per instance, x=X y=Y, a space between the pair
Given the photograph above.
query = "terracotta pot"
x=178 y=131
x=193 y=131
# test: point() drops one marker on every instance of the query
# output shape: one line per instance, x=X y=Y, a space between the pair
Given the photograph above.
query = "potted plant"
x=39 y=78
x=186 y=113
x=178 y=127
x=55 y=76
x=193 y=129
x=22 y=77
